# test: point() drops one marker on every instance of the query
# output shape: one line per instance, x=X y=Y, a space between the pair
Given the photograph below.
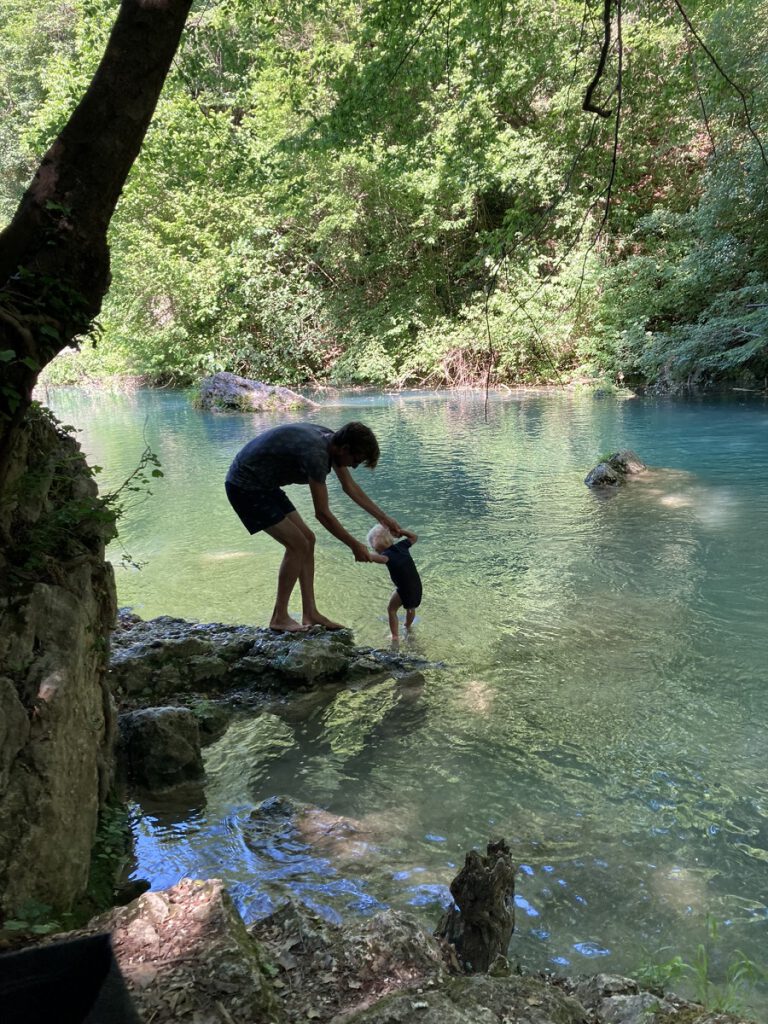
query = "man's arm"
x=326 y=518
x=358 y=495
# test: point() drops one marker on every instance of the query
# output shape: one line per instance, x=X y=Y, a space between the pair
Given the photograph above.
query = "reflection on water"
x=605 y=705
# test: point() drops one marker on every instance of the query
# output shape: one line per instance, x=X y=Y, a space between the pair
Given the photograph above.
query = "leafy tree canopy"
x=410 y=192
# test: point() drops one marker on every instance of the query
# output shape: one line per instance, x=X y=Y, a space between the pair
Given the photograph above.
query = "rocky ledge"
x=159 y=657
x=178 y=683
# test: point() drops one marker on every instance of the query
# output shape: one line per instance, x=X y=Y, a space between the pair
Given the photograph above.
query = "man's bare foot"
x=320 y=620
x=287 y=625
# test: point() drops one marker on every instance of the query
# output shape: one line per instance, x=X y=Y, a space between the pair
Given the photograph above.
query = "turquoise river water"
x=604 y=703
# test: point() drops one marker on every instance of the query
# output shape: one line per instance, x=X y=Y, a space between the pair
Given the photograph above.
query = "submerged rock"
x=288 y=828
x=227 y=391
x=613 y=470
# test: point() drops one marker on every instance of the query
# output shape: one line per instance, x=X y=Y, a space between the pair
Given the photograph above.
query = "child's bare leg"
x=410 y=615
x=394 y=604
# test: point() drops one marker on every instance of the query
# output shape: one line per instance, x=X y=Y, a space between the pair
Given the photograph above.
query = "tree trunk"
x=54 y=259
x=480 y=926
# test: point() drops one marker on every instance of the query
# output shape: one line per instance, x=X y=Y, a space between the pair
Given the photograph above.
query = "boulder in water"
x=160 y=747
x=228 y=392
x=614 y=469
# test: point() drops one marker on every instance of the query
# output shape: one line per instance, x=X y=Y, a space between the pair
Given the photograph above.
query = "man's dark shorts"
x=258 y=510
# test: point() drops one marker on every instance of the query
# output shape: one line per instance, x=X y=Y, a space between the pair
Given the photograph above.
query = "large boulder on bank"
x=228 y=392
x=614 y=469
x=533 y=999
x=185 y=954
x=326 y=971
x=480 y=999
x=612 y=999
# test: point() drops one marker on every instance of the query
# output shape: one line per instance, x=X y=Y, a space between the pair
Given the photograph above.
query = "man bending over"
x=303 y=453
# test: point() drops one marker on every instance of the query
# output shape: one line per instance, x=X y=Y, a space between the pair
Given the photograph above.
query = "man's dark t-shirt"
x=293 y=453
x=404 y=573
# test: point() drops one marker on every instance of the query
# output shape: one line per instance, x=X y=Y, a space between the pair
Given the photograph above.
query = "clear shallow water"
x=605 y=705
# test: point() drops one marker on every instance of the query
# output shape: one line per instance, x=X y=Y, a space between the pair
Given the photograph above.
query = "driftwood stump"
x=481 y=923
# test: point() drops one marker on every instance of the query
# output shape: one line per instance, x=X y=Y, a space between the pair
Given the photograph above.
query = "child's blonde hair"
x=379 y=538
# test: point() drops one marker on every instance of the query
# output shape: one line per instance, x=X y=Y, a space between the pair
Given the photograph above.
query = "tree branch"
x=588 y=105
x=742 y=95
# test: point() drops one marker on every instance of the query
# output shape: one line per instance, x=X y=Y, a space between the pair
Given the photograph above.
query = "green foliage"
x=692 y=303
x=657 y=974
x=32 y=920
x=731 y=994
x=402 y=193
x=109 y=856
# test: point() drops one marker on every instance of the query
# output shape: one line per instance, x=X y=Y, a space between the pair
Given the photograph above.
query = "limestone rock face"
x=57 y=720
x=228 y=392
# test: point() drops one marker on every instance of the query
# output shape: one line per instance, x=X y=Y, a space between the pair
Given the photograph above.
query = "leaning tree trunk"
x=54 y=260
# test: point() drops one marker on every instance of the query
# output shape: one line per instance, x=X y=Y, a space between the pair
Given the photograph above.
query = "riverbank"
x=69 y=369
x=185 y=954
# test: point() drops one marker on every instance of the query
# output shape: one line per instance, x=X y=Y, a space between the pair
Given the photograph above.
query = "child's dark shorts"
x=258 y=510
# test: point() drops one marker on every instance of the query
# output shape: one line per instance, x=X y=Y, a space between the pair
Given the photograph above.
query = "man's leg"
x=394 y=604
x=297 y=551
x=310 y=615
